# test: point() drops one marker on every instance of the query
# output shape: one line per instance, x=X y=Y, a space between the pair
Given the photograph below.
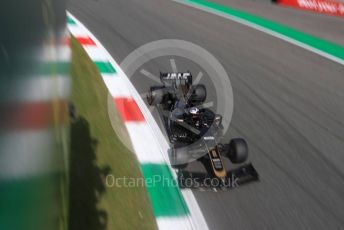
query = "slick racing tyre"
x=237 y=151
x=155 y=95
x=198 y=95
x=175 y=154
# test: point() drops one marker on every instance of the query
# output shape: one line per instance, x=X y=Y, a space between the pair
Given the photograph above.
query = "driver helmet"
x=194 y=110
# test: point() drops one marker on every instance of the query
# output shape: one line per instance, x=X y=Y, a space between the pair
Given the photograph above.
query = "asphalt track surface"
x=319 y=25
x=289 y=105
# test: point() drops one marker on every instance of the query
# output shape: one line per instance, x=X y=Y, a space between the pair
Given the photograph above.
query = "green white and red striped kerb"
x=172 y=208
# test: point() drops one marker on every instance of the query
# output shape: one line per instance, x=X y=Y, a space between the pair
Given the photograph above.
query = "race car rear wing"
x=176 y=77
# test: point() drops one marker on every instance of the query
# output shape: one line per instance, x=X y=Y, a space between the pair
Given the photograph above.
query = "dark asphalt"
x=319 y=25
x=289 y=105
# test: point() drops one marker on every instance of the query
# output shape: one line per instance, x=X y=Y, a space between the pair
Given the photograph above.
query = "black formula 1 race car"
x=194 y=132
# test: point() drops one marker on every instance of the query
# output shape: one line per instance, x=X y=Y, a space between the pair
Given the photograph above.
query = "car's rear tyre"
x=155 y=95
x=237 y=151
x=199 y=94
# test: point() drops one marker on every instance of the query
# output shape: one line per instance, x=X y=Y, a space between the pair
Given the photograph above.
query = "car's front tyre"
x=237 y=151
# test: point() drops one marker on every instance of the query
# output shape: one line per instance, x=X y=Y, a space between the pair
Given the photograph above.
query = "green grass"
x=96 y=152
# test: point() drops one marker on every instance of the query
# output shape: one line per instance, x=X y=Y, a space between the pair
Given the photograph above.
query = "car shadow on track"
x=86 y=183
